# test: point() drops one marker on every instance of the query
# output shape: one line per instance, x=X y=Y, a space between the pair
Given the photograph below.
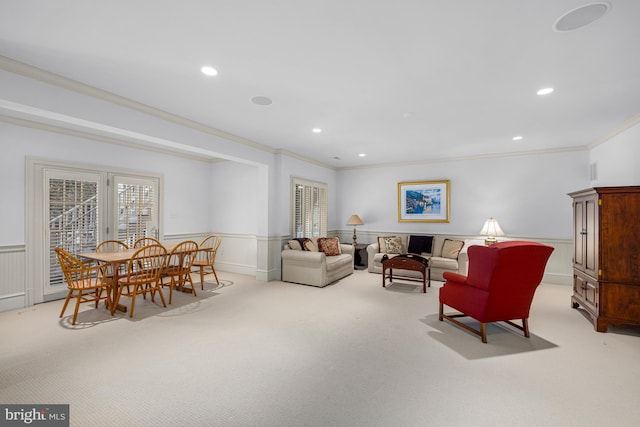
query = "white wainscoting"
x=238 y=253
x=559 y=268
x=13 y=292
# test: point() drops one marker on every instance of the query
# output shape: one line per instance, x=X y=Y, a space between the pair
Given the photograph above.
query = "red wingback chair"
x=500 y=284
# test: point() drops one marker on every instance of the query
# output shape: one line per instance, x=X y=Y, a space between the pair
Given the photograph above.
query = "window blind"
x=309 y=210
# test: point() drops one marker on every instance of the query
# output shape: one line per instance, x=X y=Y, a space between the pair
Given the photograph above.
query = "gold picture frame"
x=424 y=201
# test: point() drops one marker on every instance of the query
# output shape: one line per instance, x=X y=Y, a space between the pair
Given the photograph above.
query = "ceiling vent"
x=581 y=16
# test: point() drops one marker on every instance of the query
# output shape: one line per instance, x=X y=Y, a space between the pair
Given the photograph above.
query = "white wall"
x=185 y=180
x=616 y=160
x=233 y=195
x=527 y=194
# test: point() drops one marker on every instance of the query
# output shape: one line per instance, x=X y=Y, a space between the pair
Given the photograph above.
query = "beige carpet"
x=352 y=354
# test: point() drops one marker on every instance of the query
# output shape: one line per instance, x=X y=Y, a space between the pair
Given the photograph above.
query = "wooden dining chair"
x=84 y=281
x=146 y=241
x=112 y=246
x=143 y=275
x=178 y=268
x=206 y=258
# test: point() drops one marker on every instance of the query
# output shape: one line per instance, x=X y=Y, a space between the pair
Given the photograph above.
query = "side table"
x=357 y=258
x=407 y=262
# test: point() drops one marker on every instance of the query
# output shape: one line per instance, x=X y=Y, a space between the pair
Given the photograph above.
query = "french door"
x=79 y=208
x=136 y=208
x=72 y=214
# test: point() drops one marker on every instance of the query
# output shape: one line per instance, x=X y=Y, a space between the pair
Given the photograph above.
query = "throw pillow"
x=451 y=248
x=295 y=245
x=329 y=245
x=381 y=244
x=420 y=244
x=302 y=241
x=393 y=245
x=310 y=246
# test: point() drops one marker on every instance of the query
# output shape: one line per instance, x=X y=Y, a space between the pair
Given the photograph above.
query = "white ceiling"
x=408 y=80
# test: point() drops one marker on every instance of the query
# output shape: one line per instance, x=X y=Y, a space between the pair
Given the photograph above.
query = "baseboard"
x=13 y=302
x=557 y=279
x=249 y=270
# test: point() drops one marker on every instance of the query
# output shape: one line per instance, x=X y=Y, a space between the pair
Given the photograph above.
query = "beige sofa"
x=439 y=263
x=316 y=268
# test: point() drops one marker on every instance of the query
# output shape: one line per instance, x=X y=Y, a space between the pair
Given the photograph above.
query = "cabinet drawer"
x=587 y=290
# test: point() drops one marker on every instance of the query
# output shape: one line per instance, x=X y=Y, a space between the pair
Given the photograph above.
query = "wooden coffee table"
x=407 y=262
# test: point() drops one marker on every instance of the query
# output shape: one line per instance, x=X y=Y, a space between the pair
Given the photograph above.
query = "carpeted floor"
x=276 y=354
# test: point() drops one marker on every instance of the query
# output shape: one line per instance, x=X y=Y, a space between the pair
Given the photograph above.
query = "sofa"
x=446 y=253
x=308 y=264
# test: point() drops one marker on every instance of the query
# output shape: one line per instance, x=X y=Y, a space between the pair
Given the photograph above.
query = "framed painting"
x=424 y=201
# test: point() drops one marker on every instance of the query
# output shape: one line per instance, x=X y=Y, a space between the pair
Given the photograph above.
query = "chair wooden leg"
x=164 y=304
x=216 y=275
x=525 y=327
x=187 y=278
x=66 y=302
x=440 y=312
x=133 y=299
x=483 y=332
x=75 y=312
x=202 y=277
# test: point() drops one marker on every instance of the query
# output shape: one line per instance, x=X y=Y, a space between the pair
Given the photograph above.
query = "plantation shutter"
x=137 y=209
x=73 y=218
x=309 y=208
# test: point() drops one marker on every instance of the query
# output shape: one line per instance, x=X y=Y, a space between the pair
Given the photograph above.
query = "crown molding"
x=34 y=118
x=48 y=77
x=304 y=159
x=474 y=157
x=625 y=126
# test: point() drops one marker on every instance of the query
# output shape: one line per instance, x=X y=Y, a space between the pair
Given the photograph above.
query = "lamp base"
x=490 y=241
x=355 y=243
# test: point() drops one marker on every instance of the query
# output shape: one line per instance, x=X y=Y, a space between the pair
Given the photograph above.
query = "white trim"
x=26 y=70
x=30 y=71
x=625 y=126
x=95 y=130
x=13 y=302
x=475 y=157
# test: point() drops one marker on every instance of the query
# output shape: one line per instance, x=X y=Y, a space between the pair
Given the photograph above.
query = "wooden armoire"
x=606 y=260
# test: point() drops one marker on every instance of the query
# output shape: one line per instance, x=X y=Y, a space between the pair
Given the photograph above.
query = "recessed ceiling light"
x=581 y=16
x=209 y=71
x=362 y=155
x=517 y=138
x=316 y=130
x=261 y=100
x=545 y=91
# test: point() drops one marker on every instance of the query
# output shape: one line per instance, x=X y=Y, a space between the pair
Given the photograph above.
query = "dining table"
x=116 y=260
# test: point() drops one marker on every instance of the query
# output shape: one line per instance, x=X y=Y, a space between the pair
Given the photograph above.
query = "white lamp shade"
x=491 y=228
x=355 y=220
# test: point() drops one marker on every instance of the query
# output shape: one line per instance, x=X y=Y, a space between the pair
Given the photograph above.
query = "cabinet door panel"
x=586 y=289
x=591 y=236
x=621 y=302
x=620 y=228
x=578 y=234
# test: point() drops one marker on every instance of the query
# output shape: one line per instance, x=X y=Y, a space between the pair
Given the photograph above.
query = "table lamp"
x=491 y=229
x=354 y=220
